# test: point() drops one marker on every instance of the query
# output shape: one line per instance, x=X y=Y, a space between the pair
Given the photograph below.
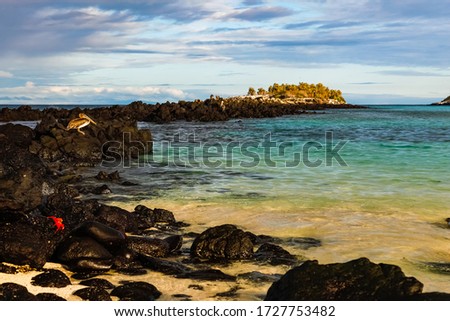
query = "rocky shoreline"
x=44 y=219
x=212 y=109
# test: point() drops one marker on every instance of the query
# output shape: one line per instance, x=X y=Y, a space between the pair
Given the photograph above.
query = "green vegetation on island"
x=308 y=93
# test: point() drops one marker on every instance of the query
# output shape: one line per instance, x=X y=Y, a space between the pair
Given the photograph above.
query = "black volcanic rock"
x=207 y=275
x=212 y=109
x=23 y=176
x=223 y=242
x=15 y=292
x=355 y=280
x=105 y=235
x=146 y=217
x=98 y=283
x=49 y=297
x=93 y=294
x=136 y=291
x=111 y=140
x=83 y=253
x=26 y=238
x=148 y=246
x=274 y=255
x=117 y=218
x=51 y=278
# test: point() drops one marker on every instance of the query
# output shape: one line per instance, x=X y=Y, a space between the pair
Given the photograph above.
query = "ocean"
x=369 y=183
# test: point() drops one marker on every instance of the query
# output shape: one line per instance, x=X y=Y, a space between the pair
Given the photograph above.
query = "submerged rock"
x=223 y=242
x=355 y=280
x=207 y=275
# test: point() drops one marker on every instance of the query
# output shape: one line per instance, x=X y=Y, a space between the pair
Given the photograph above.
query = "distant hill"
x=308 y=93
x=446 y=101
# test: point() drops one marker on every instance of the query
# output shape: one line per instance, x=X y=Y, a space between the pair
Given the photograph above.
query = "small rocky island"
x=446 y=101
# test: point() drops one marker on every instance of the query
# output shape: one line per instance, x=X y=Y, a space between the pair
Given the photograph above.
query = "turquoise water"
x=386 y=198
x=396 y=153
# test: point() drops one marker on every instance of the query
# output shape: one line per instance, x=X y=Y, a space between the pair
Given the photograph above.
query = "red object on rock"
x=58 y=223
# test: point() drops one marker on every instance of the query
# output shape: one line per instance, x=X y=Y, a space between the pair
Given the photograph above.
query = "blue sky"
x=107 y=52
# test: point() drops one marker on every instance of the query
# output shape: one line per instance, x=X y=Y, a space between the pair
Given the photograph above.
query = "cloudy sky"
x=108 y=52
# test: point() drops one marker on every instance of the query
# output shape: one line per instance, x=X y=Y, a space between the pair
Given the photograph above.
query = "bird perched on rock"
x=80 y=122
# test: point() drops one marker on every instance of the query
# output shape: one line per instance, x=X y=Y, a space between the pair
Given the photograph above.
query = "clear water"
x=388 y=202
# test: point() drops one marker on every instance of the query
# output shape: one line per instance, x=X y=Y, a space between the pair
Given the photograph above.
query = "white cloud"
x=89 y=94
x=5 y=74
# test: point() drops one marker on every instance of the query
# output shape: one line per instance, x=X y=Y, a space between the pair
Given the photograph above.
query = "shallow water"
x=385 y=197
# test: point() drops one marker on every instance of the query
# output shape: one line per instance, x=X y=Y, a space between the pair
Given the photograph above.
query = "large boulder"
x=355 y=280
x=23 y=176
x=223 y=242
x=26 y=238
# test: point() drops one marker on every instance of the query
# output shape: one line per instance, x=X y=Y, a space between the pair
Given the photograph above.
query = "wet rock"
x=49 y=297
x=303 y=243
x=83 y=253
x=258 y=277
x=117 y=218
x=87 y=274
x=146 y=217
x=207 y=275
x=93 y=294
x=436 y=267
x=103 y=176
x=97 y=190
x=52 y=279
x=126 y=259
x=274 y=255
x=98 y=283
x=165 y=266
x=355 y=280
x=15 y=292
x=163 y=216
x=91 y=264
x=222 y=242
x=109 y=237
x=136 y=291
x=231 y=293
x=196 y=287
x=175 y=242
x=148 y=246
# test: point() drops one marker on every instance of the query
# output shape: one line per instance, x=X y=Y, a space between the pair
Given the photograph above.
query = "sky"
x=116 y=52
